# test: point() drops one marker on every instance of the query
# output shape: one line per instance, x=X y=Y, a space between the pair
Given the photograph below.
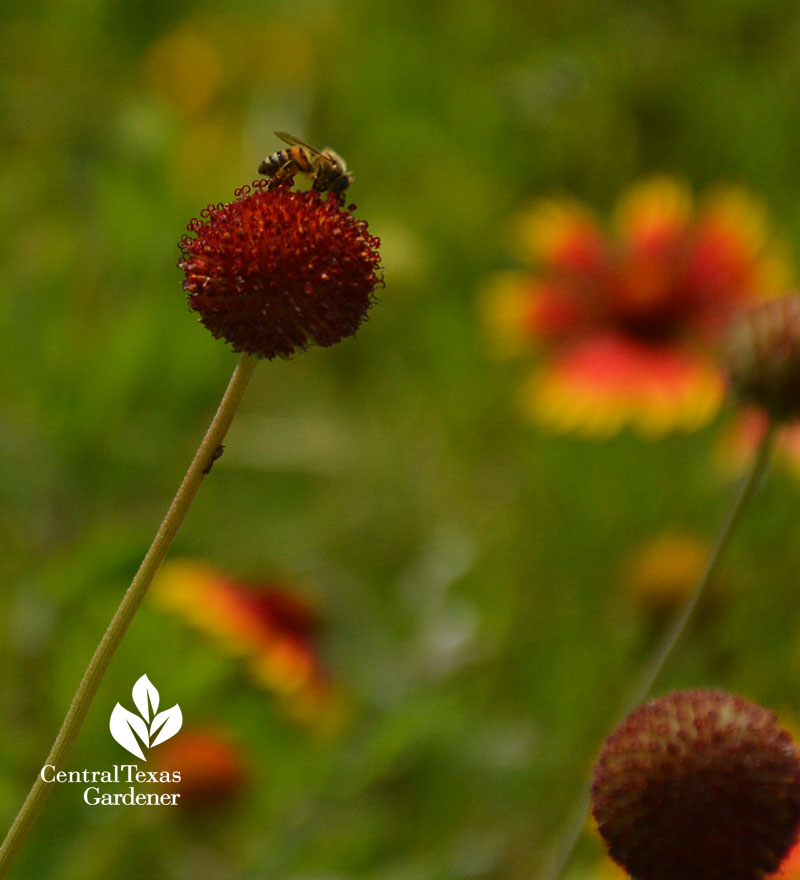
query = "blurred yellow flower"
x=192 y=65
x=211 y=71
x=663 y=571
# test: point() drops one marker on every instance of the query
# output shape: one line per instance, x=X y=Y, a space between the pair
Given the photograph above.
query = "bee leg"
x=285 y=172
x=320 y=183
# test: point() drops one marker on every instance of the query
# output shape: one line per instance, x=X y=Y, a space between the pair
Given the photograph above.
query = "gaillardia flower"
x=762 y=355
x=624 y=325
x=698 y=785
x=278 y=269
x=269 y=625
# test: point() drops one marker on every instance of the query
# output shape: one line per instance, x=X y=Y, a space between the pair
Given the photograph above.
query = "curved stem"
x=664 y=649
x=206 y=454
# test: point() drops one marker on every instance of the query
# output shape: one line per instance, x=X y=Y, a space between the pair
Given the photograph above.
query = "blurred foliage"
x=468 y=568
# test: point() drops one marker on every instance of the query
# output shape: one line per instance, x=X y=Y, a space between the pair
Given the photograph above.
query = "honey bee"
x=325 y=167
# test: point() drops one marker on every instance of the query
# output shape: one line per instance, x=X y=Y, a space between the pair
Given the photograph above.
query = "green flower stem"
x=664 y=649
x=131 y=601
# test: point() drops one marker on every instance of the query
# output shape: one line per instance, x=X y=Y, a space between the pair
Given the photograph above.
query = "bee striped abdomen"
x=293 y=160
x=271 y=164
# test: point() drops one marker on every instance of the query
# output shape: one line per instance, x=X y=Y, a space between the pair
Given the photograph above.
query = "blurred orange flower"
x=267 y=624
x=625 y=324
x=212 y=769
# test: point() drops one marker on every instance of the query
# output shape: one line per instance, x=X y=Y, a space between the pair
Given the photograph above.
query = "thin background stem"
x=663 y=650
x=131 y=601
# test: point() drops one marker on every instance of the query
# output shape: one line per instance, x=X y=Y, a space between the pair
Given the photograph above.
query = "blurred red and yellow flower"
x=625 y=324
x=267 y=624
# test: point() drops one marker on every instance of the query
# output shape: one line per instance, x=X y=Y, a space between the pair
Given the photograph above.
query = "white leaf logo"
x=169 y=721
x=144 y=696
x=133 y=732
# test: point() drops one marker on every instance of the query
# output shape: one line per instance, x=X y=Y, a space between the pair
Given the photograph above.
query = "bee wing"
x=295 y=141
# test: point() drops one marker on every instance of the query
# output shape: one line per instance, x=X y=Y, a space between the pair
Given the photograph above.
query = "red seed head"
x=698 y=785
x=278 y=269
x=762 y=355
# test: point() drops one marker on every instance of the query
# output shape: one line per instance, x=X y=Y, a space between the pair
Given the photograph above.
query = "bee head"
x=342 y=183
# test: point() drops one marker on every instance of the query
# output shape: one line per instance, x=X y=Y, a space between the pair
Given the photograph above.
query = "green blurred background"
x=467 y=566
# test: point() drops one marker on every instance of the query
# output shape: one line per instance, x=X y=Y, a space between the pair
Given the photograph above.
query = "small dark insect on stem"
x=214 y=456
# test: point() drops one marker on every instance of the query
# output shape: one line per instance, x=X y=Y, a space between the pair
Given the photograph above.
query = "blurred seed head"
x=698 y=785
x=761 y=353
